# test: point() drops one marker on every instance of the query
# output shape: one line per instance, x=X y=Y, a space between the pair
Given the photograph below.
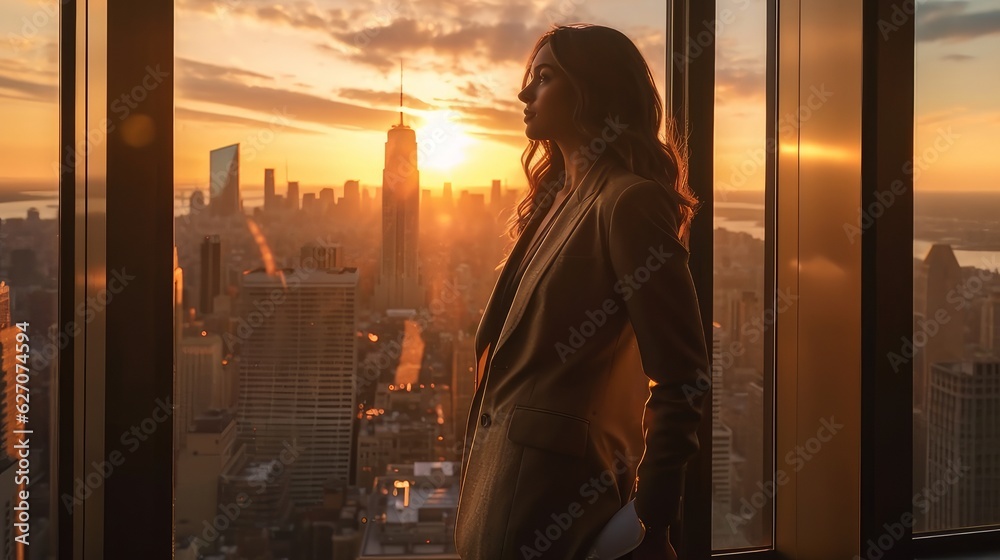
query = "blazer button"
x=484 y=420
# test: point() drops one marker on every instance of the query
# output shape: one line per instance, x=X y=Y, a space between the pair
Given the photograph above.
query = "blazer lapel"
x=492 y=313
x=564 y=225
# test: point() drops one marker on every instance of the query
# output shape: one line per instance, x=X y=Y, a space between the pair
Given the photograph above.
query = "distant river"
x=46 y=203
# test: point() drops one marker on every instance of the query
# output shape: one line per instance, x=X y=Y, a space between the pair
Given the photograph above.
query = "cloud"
x=185 y=114
x=204 y=69
x=509 y=138
x=376 y=110
x=739 y=73
x=950 y=22
x=495 y=119
x=13 y=88
x=384 y=98
x=460 y=42
x=374 y=33
x=733 y=84
x=198 y=81
x=957 y=57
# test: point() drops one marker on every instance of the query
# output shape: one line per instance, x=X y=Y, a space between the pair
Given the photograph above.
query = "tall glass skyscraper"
x=224 y=182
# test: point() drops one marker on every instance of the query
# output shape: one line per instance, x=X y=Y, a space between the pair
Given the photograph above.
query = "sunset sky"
x=330 y=70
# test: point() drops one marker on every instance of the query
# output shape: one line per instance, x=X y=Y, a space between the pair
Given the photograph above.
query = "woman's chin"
x=531 y=133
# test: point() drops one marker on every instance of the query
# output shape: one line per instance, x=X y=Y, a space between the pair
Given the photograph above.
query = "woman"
x=591 y=350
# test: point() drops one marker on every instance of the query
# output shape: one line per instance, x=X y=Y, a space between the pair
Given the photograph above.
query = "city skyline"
x=322 y=87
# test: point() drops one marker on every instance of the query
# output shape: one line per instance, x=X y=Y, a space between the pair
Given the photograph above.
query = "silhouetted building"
x=989 y=323
x=943 y=275
x=352 y=198
x=327 y=200
x=399 y=284
x=197 y=201
x=224 y=183
x=297 y=371
x=495 y=199
x=310 y=204
x=269 y=190
x=23 y=270
x=211 y=272
x=963 y=431
x=446 y=196
x=322 y=257
x=293 y=195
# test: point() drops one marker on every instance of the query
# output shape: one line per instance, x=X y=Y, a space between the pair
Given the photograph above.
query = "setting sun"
x=441 y=141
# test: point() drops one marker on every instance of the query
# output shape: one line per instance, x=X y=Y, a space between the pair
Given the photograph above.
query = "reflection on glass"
x=742 y=490
x=29 y=335
x=955 y=347
x=344 y=174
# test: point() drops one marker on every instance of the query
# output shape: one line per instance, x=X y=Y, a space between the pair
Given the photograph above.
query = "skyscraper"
x=4 y=304
x=224 y=182
x=495 y=198
x=352 y=197
x=399 y=284
x=323 y=256
x=293 y=195
x=269 y=190
x=989 y=323
x=199 y=382
x=943 y=275
x=211 y=272
x=446 y=196
x=963 y=430
x=297 y=372
x=722 y=435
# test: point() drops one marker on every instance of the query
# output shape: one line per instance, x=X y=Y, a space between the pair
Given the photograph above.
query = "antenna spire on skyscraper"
x=401 y=92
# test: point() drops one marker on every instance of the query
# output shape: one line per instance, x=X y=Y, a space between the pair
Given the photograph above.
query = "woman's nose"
x=524 y=94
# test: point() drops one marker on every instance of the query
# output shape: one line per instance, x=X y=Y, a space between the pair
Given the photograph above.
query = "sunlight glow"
x=441 y=141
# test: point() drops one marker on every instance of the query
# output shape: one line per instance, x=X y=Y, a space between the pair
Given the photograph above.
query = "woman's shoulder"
x=619 y=180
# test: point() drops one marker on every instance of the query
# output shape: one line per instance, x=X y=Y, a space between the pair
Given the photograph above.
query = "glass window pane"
x=29 y=341
x=742 y=486
x=956 y=278
x=311 y=421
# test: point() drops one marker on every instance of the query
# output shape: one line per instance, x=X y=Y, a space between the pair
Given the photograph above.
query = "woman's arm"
x=663 y=308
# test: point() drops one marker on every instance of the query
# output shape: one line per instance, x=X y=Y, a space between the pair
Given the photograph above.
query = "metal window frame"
x=109 y=379
x=104 y=389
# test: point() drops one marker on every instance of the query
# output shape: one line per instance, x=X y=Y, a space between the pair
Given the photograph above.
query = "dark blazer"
x=599 y=361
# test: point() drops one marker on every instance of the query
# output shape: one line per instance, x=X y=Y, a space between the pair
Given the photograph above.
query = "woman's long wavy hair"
x=611 y=80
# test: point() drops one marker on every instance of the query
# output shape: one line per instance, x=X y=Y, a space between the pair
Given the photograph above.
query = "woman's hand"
x=655 y=546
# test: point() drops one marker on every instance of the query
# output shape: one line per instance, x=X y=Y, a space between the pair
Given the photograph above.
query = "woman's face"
x=548 y=99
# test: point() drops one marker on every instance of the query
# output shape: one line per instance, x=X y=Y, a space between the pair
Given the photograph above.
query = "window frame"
x=106 y=47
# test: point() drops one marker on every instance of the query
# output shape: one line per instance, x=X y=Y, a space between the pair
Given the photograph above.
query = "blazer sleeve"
x=652 y=275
